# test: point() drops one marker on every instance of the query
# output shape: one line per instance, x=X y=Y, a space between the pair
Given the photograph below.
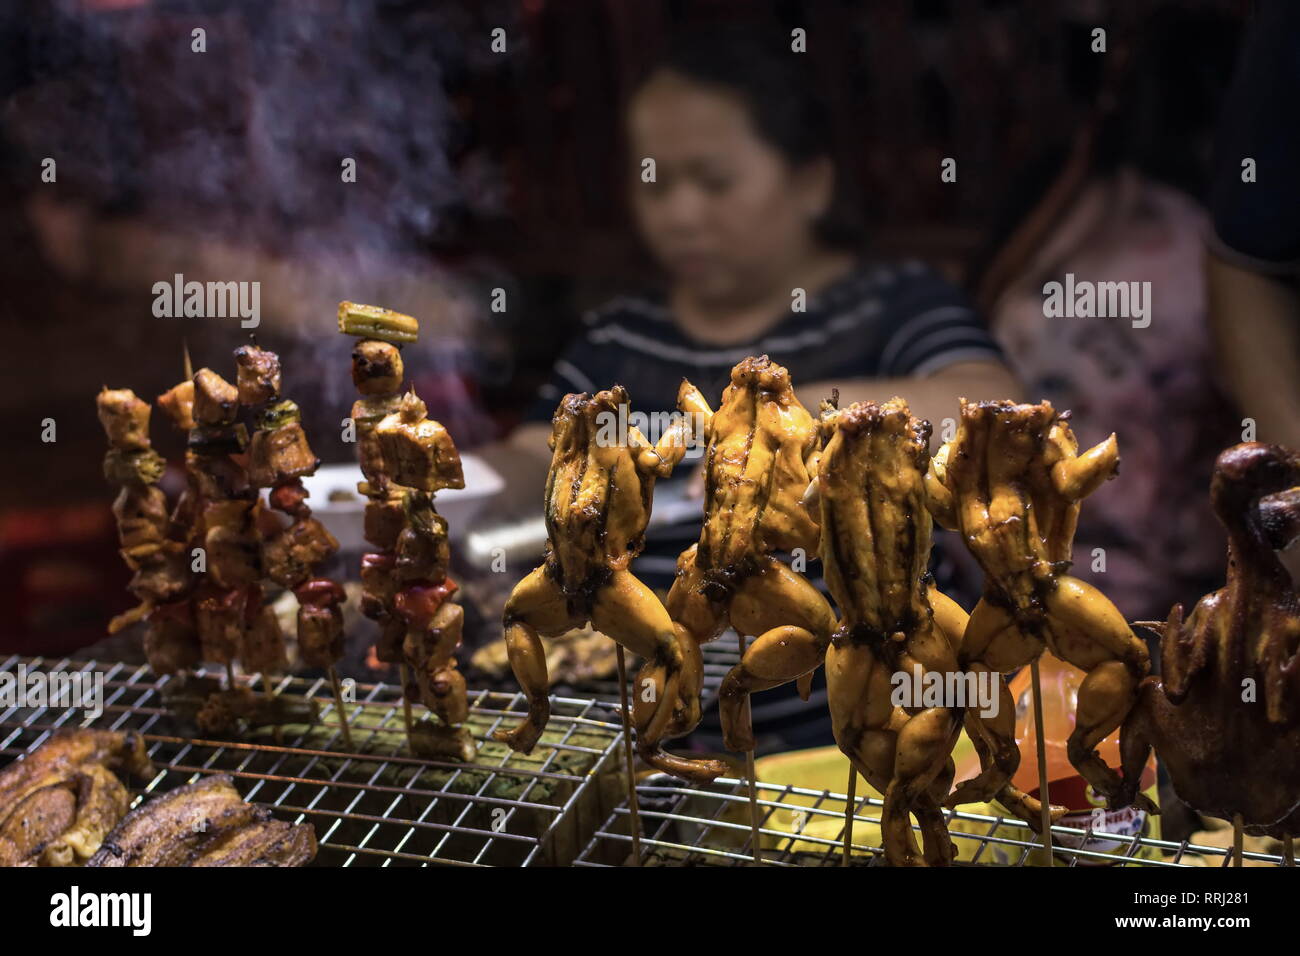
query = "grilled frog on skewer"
x=1224 y=717
x=869 y=493
x=761 y=454
x=597 y=506
x=1011 y=482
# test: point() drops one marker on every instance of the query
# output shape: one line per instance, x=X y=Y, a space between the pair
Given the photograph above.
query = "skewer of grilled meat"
x=205 y=824
x=225 y=527
x=161 y=570
x=406 y=457
x=279 y=458
x=57 y=804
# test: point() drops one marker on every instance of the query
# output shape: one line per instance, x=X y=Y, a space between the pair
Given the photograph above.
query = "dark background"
x=477 y=170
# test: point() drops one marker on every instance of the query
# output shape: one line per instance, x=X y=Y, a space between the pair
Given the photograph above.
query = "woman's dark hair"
x=772 y=81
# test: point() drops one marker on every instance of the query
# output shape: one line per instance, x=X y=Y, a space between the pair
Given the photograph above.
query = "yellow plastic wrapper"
x=826 y=768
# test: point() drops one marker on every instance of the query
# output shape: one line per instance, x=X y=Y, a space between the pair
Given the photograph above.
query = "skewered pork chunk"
x=216 y=401
x=421 y=557
x=1224 y=717
x=230 y=540
x=418 y=451
x=385 y=519
x=378 y=583
x=320 y=622
x=290 y=556
x=178 y=403
x=171 y=643
x=279 y=451
x=430 y=648
x=162 y=574
x=367 y=413
x=376 y=368
x=217 y=477
x=392 y=636
x=125 y=419
x=219 y=617
x=258 y=375
x=141 y=514
x=262 y=647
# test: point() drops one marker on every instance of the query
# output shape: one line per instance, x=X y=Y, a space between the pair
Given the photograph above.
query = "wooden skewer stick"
x=1238 y=841
x=230 y=674
x=277 y=733
x=751 y=775
x=404 y=671
x=1288 y=850
x=850 y=806
x=1043 y=796
x=343 y=714
x=634 y=811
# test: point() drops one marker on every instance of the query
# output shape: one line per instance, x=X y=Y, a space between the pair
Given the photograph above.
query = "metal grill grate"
x=683 y=825
x=719 y=658
x=382 y=806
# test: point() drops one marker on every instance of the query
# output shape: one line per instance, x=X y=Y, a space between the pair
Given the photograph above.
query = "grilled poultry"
x=875 y=544
x=1224 y=716
x=58 y=803
x=761 y=454
x=266 y=843
x=1010 y=482
x=205 y=824
x=597 y=505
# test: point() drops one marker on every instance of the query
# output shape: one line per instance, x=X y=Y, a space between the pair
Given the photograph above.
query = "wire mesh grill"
x=682 y=825
x=718 y=656
x=380 y=806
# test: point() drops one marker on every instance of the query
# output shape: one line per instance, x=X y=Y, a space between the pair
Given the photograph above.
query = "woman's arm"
x=1256 y=322
x=933 y=397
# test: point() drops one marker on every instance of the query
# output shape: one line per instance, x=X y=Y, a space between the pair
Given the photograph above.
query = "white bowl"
x=345 y=517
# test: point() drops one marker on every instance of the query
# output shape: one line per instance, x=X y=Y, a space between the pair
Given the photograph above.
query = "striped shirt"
x=881 y=321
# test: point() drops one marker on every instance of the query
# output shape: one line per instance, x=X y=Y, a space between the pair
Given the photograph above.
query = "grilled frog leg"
x=597 y=506
x=760 y=455
x=1011 y=482
x=793 y=623
x=875 y=545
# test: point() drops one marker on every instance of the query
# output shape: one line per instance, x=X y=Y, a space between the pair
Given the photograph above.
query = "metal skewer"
x=343 y=714
x=634 y=811
x=1043 y=796
x=750 y=775
x=404 y=672
x=850 y=808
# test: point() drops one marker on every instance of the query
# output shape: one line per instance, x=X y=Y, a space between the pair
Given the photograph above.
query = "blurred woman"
x=745 y=216
x=1122 y=204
